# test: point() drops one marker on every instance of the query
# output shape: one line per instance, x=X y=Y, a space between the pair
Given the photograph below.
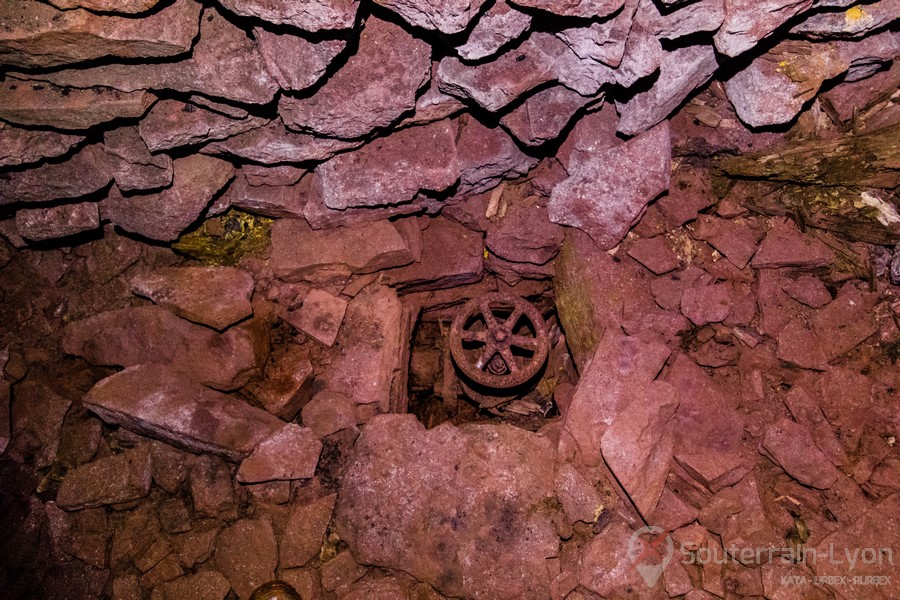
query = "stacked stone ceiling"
x=152 y=115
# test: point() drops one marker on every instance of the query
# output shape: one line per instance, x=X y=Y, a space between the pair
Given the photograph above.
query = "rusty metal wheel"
x=499 y=341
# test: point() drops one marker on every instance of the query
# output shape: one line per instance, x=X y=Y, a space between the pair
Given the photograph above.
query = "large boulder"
x=469 y=526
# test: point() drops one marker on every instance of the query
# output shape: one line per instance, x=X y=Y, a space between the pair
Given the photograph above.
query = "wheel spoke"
x=509 y=359
x=485 y=307
x=486 y=355
x=514 y=318
x=523 y=341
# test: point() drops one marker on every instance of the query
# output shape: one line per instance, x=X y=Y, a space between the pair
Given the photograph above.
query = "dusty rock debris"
x=475 y=299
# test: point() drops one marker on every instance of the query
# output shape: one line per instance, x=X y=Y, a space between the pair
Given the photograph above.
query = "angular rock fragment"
x=298 y=250
x=736 y=239
x=286 y=387
x=172 y=123
x=588 y=9
x=712 y=470
x=478 y=526
x=487 y=156
x=792 y=446
x=394 y=169
x=602 y=197
x=224 y=63
x=260 y=176
x=246 y=569
x=749 y=21
x=449 y=16
x=165 y=215
x=638 y=445
x=36 y=35
x=579 y=499
x=681 y=71
x=215 y=296
x=311 y=15
x=84 y=173
x=156 y=401
x=602 y=42
x=605 y=573
x=329 y=412
x=205 y=585
x=37 y=416
x=41 y=224
x=592 y=134
x=152 y=334
x=808 y=290
x=438 y=269
x=305 y=532
x=543 y=116
x=373 y=89
x=45 y=105
x=291 y=453
x=372 y=366
x=785 y=246
x=320 y=316
x=26 y=146
x=134 y=168
x=854 y=22
x=273 y=144
x=433 y=105
x=642 y=58
x=495 y=28
x=525 y=234
x=654 y=253
x=497 y=83
x=112 y=6
x=794 y=71
x=112 y=480
x=686 y=19
x=833 y=331
x=276 y=200
x=293 y=61
x=210 y=486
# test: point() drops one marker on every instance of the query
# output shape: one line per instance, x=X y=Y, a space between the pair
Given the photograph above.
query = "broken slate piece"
x=293 y=61
x=214 y=296
x=607 y=193
x=447 y=16
x=172 y=123
x=792 y=446
x=20 y=146
x=40 y=224
x=287 y=384
x=112 y=480
x=373 y=89
x=320 y=316
x=654 y=253
x=311 y=15
x=156 y=401
x=495 y=28
x=291 y=453
x=134 y=167
x=394 y=169
x=785 y=246
x=298 y=250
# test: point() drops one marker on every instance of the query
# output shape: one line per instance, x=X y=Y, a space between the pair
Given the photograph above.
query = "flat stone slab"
x=607 y=193
x=172 y=123
x=164 y=216
x=311 y=15
x=156 y=401
x=449 y=16
x=134 y=167
x=320 y=316
x=151 y=334
x=221 y=43
x=84 y=173
x=470 y=527
x=370 y=176
x=26 y=146
x=112 y=480
x=373 y=89
x=215 y=296
x=298 y=250
x=36 y=35
x=290 y=453
x=40 y=224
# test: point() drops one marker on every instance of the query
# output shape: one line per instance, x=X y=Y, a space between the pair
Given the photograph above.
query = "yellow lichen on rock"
x=225 y=239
